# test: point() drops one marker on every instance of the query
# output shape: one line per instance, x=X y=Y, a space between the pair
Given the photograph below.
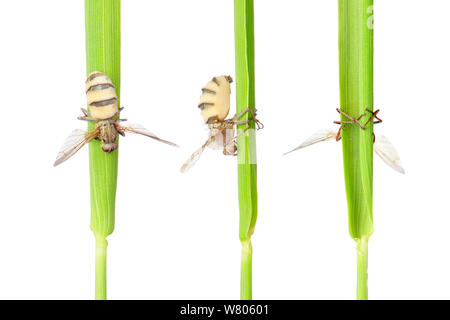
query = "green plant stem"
x=100 y=268
x=102 y=18
x=362 y=256
x=356 y=92
x=245 y=98
x=246 y=270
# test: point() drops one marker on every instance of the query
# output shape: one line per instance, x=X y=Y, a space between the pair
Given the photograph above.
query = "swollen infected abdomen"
x=215 y=99
x=101 y=96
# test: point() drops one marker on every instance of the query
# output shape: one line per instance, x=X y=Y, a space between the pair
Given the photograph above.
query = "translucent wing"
x=319 y=136
x=387 y=153
x=77 y=139
x=195 y=156
x=139 y=129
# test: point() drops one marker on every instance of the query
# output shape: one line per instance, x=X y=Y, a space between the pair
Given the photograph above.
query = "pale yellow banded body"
x=103 y=109
x=215 y=106
x=101 y=96
x=215 y=99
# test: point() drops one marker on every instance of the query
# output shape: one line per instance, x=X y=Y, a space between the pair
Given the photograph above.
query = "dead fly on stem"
x=381 y=145
x=103 y=109
x=215 y=106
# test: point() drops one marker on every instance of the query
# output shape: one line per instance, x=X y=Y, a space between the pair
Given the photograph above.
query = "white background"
x=176 y=235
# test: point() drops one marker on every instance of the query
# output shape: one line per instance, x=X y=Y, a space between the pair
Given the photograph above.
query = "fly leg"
x=338 y=135
x=352 y=120
x=258 y=123
x=87 y=116
x=342 y=123
x=373 y=117
x=240 y=114
x=231 y=147
x=87 y=119
x=241 y=122
x=116 y=114
x=85 y=112
x=242 y=132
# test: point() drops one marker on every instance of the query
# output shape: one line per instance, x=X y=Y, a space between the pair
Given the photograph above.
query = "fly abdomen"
x=215 y=98
x=101 y=96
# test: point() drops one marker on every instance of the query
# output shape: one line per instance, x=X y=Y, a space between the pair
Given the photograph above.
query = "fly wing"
x=387 y=153
x=319 y=136
x=74 y=142
x=195 y=156
x=139 y=129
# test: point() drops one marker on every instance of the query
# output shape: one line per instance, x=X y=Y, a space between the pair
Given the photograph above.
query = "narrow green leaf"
x=102 y=54
x=356 y=91
x=245 y=98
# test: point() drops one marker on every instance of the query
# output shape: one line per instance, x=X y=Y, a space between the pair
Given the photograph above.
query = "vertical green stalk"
x=102 y=54
x=361 y=260
x=246 y=270
x=245 y=98
x=100 y=268
x=356 y=89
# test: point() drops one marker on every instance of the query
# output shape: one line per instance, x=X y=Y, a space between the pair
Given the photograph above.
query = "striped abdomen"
x=101 y=96
x=215 y=99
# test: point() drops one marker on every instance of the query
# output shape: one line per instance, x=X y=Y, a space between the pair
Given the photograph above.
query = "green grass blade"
x=102 y=54
x=356 y=89
x=245 y=97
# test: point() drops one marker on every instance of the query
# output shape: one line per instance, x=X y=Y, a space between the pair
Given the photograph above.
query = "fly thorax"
x=108 y=136
x=214 y=125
